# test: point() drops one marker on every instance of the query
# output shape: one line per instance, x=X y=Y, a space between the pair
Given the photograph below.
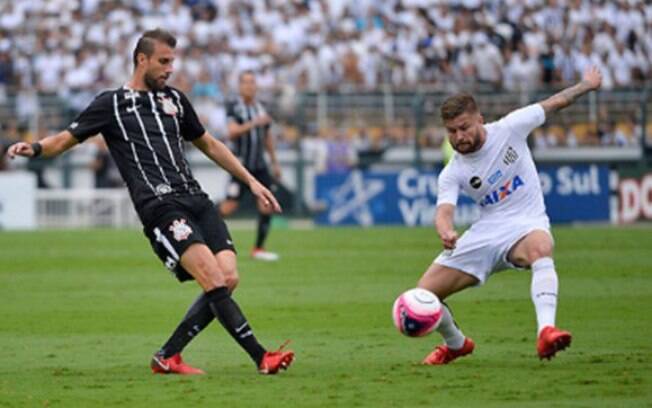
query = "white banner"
x=17 y=200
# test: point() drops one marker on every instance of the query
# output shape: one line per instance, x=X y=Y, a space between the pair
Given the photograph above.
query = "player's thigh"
x=198 y=260
x=536 y=244
x=444 y=281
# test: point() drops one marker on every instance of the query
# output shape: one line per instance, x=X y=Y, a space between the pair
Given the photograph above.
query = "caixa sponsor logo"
x=502 y=192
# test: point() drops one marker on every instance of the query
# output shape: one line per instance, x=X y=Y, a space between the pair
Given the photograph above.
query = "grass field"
x=82 y=312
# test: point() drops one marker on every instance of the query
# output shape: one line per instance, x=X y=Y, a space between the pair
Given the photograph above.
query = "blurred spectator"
x=58 y=48
x=106 y=172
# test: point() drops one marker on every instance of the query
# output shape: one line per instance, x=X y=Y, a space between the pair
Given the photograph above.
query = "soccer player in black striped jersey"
x=145 y=124
x=249 y=130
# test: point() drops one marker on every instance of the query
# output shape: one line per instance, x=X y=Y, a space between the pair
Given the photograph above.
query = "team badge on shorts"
x=180 y=229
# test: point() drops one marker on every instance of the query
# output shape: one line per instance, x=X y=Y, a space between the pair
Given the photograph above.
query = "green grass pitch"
x=82 y=312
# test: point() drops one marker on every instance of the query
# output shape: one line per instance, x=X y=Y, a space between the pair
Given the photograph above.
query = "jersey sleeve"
x=191 y=127
x=231 y=114
x=525 y=120
x=448 y=189
x=92 y=120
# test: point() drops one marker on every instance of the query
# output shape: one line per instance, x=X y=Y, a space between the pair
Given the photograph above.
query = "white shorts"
x=483 y=248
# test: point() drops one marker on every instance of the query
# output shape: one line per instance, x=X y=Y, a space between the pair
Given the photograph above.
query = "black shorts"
x=236 y=188
x=179 y=222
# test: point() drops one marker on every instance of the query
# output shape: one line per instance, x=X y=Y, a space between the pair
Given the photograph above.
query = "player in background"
x=144 y=124
x=249 y=131
x=493 y=165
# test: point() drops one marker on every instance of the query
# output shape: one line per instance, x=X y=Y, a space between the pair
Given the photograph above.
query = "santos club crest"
x=180 y=229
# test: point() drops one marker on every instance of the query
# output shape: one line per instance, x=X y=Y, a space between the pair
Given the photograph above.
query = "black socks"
x=229 y=314
x=196 y=319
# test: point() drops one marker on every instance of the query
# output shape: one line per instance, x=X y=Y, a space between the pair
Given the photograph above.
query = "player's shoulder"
x=529 y=113
x=105 y=96
x=234 y=107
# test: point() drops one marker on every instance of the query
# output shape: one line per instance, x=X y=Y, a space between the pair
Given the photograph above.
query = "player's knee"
x=540 y=250
x=231 y=279
x=208 y=276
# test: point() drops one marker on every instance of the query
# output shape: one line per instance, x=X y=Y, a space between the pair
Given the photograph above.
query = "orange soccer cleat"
x=442 y=354
x=273 y=361
x=172 y=365
x=551 y=340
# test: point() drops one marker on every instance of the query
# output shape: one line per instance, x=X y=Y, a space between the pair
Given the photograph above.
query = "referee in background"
x=249 y=131
x=145 y=124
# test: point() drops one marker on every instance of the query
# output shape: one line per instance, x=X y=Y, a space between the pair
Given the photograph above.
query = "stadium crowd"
x=71 y=49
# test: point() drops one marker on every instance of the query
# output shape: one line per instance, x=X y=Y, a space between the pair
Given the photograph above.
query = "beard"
x=155 y=84
x=469 y=146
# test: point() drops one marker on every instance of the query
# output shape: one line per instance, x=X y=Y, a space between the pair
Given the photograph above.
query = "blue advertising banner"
x=572 y=193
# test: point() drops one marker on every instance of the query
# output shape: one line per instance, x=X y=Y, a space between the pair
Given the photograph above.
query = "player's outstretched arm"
x=222 y=156
x=591 y=80
x=48 y=147
x=444 y=225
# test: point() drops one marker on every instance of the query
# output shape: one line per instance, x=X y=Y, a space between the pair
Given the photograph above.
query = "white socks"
x=544 y=291
x=453 y=336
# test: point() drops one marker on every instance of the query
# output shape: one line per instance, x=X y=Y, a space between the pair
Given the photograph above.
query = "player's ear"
x=141 y=58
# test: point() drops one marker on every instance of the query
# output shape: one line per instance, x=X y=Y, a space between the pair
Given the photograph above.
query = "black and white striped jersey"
x=145 y=132
x=250 y=146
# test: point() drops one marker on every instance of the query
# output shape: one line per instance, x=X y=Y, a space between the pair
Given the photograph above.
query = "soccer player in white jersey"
x=493 y=165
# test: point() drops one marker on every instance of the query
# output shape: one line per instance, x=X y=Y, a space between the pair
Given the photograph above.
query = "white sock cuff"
x=542 y=264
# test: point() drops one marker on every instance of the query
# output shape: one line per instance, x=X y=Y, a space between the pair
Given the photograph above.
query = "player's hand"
x=592 y=77
x=448 y=238
x=264 y=197
x=262 y=120
x=20 y=149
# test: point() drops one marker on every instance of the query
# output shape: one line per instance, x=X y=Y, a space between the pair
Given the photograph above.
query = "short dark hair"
x=456 y=105
x=146 y=42
x=246 y=72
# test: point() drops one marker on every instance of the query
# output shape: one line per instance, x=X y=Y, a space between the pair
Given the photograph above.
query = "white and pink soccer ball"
x=417 y=312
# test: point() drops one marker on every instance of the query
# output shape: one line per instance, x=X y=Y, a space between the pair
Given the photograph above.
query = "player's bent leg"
x=206 y=270
x=197 y=318
x=535 y=251
x=444 y=281
x=537 y=244
x=200 y=262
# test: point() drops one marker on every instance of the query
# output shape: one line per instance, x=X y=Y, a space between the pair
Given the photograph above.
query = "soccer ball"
x=417 y=312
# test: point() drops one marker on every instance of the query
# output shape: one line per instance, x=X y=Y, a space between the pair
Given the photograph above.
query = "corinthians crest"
x=180 y=229
x=168 y=106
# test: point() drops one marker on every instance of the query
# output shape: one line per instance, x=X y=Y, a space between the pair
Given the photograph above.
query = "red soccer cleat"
x=273 y=361
x=172 y=365
x=444 y=355
x=551 y=340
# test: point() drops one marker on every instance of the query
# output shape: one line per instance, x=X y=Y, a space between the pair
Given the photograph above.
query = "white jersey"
x=501 y=176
